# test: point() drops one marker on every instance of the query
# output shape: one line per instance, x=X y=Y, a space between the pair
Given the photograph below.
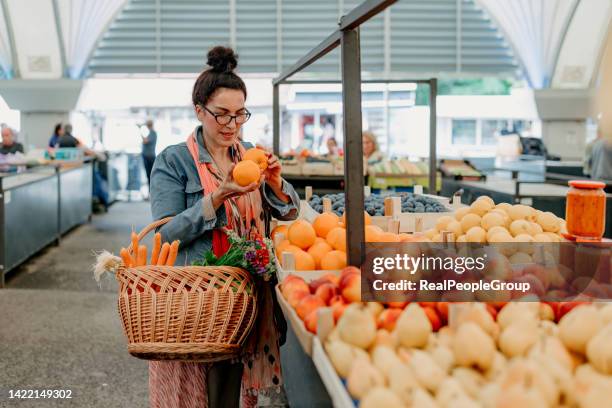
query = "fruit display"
x=485 y=222
x=375 y=203
x=460 y=170
x=399 y=167
x=510 y=356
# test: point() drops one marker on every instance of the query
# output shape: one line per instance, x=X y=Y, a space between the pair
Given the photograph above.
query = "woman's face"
x=60 y=132
x=368 y=146
x=223 y=102
x=331 y=144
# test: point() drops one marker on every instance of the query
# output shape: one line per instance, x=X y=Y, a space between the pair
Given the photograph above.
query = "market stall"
x=39 y=205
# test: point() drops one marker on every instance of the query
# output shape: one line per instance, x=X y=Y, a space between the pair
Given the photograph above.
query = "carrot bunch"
x=161 y=255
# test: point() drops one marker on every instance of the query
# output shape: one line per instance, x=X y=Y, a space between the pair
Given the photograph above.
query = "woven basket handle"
x=151 y=227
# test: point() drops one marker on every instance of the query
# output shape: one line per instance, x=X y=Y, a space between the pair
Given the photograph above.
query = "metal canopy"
x=347 y=37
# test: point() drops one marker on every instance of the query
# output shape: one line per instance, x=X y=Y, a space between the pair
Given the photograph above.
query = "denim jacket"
x=176 y=191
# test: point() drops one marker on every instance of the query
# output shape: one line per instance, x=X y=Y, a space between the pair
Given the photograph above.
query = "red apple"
x=433 y=317
x=388 y=318
x=326 y=292
x=307 y=305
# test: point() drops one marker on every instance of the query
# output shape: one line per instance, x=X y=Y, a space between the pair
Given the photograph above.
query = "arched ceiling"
x=51 y=39
x=413 y=36
x=554 y=43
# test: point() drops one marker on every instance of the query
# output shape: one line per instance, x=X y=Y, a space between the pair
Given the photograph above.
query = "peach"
x=293 y=284
x=433 y=317
x=311 y=322
x=338 y=308
x=349 y=269
x=307 y=305
x=350 y=287
x=327 y=278
x=326 y=291
x=295 y=296
x=388 y=318
x=397 y=305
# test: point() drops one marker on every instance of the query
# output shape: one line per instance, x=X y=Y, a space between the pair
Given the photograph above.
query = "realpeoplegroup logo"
x=494 y=272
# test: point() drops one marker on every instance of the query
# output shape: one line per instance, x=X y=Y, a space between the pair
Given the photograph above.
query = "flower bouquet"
x=253 y=255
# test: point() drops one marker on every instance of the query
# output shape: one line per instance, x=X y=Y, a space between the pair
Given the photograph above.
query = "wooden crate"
x=336 y=389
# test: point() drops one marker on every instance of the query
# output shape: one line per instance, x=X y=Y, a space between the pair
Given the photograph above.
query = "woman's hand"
x=229 y=188
x=273 y=172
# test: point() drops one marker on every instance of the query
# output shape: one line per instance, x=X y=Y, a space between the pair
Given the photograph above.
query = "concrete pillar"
x=42 y=104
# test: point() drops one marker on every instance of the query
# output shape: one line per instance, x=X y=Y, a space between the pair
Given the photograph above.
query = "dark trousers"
x=224 y=380
x=148 y=165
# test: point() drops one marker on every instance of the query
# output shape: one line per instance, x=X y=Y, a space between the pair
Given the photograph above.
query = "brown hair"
x=222 y=62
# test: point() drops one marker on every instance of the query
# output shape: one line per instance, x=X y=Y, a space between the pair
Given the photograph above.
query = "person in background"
x=67 y=140
x=371 y=154
x=9 y=145
x=148 y=149
x=332 y=148
x=58 y=131
x=600 y=158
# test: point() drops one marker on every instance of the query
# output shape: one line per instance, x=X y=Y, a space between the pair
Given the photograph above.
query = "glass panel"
x=464 y=131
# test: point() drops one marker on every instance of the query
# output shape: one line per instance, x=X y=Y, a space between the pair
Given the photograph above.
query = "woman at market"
x=193 y=183
x=371 y=154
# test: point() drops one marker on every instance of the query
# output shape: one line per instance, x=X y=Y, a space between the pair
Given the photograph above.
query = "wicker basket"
x=191 y=313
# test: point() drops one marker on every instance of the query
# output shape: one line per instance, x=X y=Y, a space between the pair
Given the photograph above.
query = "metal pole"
x=353 y=148
x=433 y=166
x=275 y=120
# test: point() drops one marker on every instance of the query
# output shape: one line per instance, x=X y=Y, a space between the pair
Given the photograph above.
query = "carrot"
x=134 y=248
x=156 y=248
x=163 y=255
x=173 y=253
x=142 y=255
x=125 y=256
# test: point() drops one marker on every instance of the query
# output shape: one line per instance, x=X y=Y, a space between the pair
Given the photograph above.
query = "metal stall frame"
x=347 y=38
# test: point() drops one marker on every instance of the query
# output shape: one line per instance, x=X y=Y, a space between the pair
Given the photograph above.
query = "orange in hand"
x=258 y=156
x=246 y=172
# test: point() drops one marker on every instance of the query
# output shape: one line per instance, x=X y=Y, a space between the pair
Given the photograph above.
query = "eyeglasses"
x=225 y=119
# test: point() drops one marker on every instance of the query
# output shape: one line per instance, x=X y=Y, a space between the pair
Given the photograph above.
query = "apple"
x=307 y=305
x=326 y=292
x=387 y=319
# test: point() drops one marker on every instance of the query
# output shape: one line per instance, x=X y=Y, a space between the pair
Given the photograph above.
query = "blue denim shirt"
x=176 y=191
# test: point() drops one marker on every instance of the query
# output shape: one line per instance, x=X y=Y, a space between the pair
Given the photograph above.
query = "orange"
x=246 y=172
x=258 y=156
x=337 y=238
x=303 y=260
x=279 y=229
x=333 y=260
x=319 y=239
x=325 y=223
x=301 y=234
x=366 y=218
x=281 y=247
x=372 y=233
x=318 y=250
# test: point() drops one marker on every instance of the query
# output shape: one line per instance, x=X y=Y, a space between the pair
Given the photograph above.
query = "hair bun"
x=222 y=59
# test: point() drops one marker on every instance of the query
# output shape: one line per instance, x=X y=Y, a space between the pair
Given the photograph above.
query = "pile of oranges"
x=322 y=244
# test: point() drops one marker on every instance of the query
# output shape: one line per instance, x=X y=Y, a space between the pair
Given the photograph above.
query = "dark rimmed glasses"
x=225 y=119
